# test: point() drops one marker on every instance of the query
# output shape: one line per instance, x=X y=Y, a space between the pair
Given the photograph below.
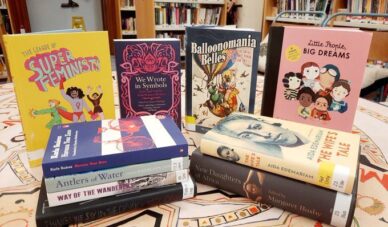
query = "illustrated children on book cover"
x=319 y=76
x=59 y=78
x=221 y=74
x=148 y=73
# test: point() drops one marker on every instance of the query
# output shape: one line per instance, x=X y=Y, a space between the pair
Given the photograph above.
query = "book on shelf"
x=128 y=24
x=148 y=72
x=116 y=187
x=315 y=78
x=221 y=71
x=98 y=177
x=302 y=5
x=95 y=145
x=325 y=205
x=366 y=6
x=82 y=212
x=59 y=78
x=320 y=156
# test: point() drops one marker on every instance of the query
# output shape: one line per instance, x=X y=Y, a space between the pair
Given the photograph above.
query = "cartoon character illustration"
x=310 y=72
x=320 y=110
x=223 y=94
x=306 y=97
x=328 y=75
x=95 y=100
x=292 y=82
x=341 y=89
x=55 y=111
x=74 y=96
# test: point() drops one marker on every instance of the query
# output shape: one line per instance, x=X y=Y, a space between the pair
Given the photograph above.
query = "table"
x=19 y=185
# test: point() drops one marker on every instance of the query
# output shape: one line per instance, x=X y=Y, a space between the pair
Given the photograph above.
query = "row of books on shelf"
x=367 y=6
x=302 y=5
x=174 y=35
x=309 y=74
x=128 y=24
x=3 y=4
x=186 y=14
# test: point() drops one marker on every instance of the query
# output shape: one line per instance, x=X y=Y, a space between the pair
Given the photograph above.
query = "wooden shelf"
x=3 y=7
x=130 y=8
x=167 y=27
x=299 y=20
x=213 y=2
x=380 y=27
x=124 y=32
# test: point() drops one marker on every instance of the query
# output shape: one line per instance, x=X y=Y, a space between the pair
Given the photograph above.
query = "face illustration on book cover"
x=319 y=91
x=49 y=71
x=256 y=134
x=150 y=80
x=117 y=136
x=253 y=185
x=222 y=87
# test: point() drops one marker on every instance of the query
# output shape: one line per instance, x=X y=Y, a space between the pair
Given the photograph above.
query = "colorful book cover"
x=59 y=78
x=148 y=72
x=320 y=156
x=96 y=145
x=68 y=182
x=315 y=78
x=221 y=71
x=77 y=213
x=116 y=187
x=325 y=205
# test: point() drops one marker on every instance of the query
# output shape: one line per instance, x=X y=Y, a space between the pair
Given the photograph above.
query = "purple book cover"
x=148 y=73
x=88 y=146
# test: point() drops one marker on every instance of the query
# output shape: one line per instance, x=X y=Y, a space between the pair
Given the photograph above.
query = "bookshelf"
x=379 y=26
x=13 y=19
x=128 y=19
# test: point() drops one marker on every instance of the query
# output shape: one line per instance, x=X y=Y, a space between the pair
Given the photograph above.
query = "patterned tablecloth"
x=19 y=185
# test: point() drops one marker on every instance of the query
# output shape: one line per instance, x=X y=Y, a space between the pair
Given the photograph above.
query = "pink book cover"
x=320 y=76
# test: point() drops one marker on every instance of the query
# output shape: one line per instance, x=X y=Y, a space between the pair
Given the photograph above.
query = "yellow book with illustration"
x=59 y=78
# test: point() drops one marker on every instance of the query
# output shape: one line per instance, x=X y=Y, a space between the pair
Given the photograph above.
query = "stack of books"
x=102 y=168
x=307 y=170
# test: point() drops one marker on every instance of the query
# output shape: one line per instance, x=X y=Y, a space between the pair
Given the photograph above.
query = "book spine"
x=80 y=213
x=275 y=44
x=321 y=204
x=324 y=174
x=69 y=167
x=68 y=182
x=114 y=188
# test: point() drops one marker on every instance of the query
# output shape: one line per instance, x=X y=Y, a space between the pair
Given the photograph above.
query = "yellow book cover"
x=320 y=156
x=59 y=78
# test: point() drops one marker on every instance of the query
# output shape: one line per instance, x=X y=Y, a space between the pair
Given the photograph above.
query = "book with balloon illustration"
x=59 y=78
x=221 y=71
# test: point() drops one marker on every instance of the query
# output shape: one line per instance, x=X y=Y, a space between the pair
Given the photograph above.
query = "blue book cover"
x=221 y=71
x=88 y=146
x=148 y=72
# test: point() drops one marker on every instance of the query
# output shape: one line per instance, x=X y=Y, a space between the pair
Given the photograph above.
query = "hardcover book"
x=148 y=72
x=109 y=206
x=325 y=205
x=96 y=145
x=117 y=187
x=221 y=71
x=73 y=181
x=59 y=78
x=315 y=78
x=315 y=155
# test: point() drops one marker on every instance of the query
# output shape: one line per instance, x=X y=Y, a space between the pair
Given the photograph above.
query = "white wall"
x=48 y=15
x=250 y=15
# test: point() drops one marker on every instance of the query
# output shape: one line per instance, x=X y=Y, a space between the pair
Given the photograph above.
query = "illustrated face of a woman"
x=261 y=132
x=294 y=82
x=339 y=93
x=311 y=72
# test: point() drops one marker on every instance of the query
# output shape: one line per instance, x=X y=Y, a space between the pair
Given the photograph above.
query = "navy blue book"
x=95 y=145
x=221 y=71
x=148 y=72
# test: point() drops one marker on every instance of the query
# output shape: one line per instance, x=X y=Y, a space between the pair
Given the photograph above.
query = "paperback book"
x=77 y=213
x=88 y=146
x=221 y=71
x=73 y=181
x=117 y=187
x=320 y=156
x=325 y=205
x=59 y=78
x=315 y=78
x=148 y=72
